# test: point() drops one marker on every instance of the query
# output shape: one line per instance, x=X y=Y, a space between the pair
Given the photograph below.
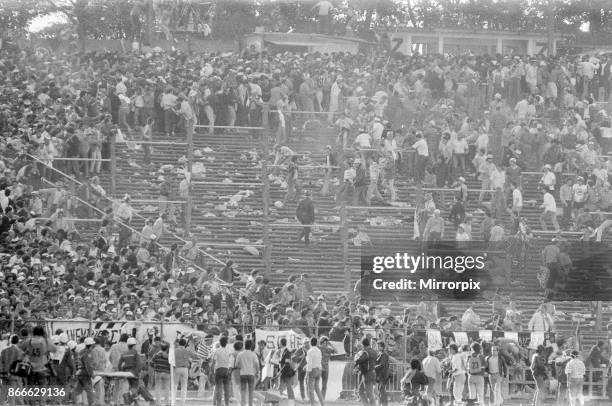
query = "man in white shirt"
x=422 y=156
x=460 y=149
x=579 y=195
x=522 y=109
x=221 y=364
x=550 y=210
x=186 y=113
x=575 y=370
x=482 y=142
x=167 y=103
x=517 y=199
x=548 y=180
x=377 y=130
x=363 y=139
x=324 y=8
x=458 y=370
x=433 y=371
x=485 y=170
x=363 y=142
x=313 y=372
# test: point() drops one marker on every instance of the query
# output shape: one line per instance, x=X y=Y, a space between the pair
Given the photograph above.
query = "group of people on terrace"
x=433 y=120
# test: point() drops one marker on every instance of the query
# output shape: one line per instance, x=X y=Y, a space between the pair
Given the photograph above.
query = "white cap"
x=63 y=338
x=89 y=341
x=71 y=344
x=131 y=341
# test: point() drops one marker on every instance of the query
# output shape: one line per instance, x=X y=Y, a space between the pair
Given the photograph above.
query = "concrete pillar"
x=531 y=47
x=500 y=46
x=408 y=45
x=554 y=48
x=440 y=44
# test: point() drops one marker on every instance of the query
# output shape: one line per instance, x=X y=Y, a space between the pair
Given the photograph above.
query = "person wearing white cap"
x=130 y=361
x=85 y=373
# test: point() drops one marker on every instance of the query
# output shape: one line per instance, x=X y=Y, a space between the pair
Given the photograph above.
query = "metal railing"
x=120 y=222
x=520 y=377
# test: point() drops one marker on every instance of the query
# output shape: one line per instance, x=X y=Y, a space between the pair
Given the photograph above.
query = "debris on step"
x=251 y=250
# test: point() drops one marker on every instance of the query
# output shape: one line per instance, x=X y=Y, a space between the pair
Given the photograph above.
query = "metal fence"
x=594 y=387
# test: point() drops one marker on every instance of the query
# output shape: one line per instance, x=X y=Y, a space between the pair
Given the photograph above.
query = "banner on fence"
x=272 y=338
x=76 y=329
x=434 y=340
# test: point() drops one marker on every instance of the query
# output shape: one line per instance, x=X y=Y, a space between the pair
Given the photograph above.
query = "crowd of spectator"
x=467 y=117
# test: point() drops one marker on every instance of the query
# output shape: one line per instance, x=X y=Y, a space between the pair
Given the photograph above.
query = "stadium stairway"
x=224 y=224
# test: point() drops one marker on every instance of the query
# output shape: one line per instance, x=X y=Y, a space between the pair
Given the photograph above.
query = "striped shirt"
x=160 y=362
x=204 y=350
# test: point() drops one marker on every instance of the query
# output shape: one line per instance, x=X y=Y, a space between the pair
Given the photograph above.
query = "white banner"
x=77 y=329
x=338 y=346
x=461 y=338
x=434 y=340
x=272 y=338
x=486 y=335
x=511 y=335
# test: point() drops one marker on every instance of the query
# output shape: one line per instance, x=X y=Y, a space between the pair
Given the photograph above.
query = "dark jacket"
x=382 y=367
x=130 y=362
x=503 y=367
x=305 y=211
x=86 y=363
x=66 y=367
x=8 y=357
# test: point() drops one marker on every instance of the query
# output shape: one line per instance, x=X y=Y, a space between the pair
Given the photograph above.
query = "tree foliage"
x=234 y=18
x=16 y=15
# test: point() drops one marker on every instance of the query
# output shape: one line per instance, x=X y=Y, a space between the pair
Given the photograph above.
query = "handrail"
x=157 y=201
x=300 y=225
x=80 y=159
x=406 y=208
x=68 y=218
x=121 y=223
x=152 y=142
x=110 y=200
x=55 y=169
x=203 y=182
x=229 y=127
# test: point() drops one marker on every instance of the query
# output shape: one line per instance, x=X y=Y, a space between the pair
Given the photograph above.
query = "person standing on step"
x=550 y=210
x=167 y=103
x=305 y=214
x=185 y=113
x=293 y=187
